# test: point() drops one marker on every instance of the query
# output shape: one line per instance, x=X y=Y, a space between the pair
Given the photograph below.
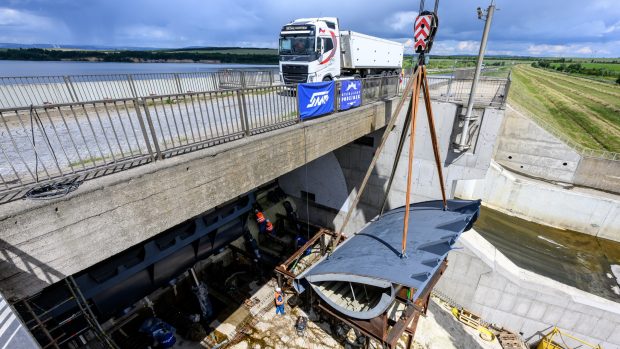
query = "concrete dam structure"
x=165 y=202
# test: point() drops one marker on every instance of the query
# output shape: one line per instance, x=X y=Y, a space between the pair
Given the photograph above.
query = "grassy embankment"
x=493 y=66
x=586 y=111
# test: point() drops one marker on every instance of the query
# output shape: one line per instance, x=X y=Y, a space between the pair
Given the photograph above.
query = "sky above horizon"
x=570 y=28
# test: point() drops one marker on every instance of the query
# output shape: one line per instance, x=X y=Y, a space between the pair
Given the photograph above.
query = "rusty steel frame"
x=282 y=269
x=385 y=330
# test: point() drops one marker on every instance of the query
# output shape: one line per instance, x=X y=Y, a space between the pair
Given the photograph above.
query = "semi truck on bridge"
x=315 y=49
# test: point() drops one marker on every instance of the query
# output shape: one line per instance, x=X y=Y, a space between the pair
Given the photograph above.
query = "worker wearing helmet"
x=269 y=227
x=279 y=299
x=260 y=220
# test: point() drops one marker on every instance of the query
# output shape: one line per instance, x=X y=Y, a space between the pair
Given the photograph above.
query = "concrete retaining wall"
x=527 y=148
x=484 y=281
x=42 y=242
x=596 y=214
x=598 y=173
x=353 y=160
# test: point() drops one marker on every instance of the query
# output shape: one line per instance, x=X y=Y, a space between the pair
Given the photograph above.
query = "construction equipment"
x=509 y=340
x=381 y=304
x=553 y=339
x=426 y=26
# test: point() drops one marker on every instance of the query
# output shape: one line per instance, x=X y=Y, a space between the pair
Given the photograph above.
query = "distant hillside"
x=76 y=47
x=204 y=55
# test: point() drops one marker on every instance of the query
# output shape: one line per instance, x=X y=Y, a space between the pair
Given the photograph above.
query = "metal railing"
x=490 y=91
x=54 y=145
x=580 y=149
x=25 y=91
x=49 y=145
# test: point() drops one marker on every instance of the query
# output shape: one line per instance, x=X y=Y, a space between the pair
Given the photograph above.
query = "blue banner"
x=315 y=99
x=350 y=94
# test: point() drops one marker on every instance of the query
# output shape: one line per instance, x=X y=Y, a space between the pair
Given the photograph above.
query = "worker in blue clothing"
x=279 y=298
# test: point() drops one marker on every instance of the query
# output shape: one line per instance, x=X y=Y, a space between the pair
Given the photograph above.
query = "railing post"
x=70 y=89
x=243 y=113
x=380 y=94
x=178 y=83
x=507 y=86
x=297 y=102
x=270 y=77
x=138 y=102
x=132 y=87
x=242 y=79
x=216 y=80
x=337 y=86
x=363 y=90
x=449 y=88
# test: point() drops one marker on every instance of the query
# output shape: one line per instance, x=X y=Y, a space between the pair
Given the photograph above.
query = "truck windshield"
x=296 y=45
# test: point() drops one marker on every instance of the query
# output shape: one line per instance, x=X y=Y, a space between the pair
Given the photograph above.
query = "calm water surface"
x=572 y=258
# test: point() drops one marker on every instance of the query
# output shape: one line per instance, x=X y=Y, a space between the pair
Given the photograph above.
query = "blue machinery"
x=76 y=306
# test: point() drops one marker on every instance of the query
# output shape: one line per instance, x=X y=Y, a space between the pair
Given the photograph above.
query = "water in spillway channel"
x=583 y=261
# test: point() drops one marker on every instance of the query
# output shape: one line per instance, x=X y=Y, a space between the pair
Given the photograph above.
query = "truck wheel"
x=327 y=78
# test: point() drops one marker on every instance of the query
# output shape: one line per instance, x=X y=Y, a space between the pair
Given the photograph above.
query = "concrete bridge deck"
x=42 y=242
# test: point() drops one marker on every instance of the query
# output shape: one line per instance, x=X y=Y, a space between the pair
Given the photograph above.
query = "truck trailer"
x=314 y=49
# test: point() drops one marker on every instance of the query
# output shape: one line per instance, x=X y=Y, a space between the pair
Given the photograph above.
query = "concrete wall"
x=43 y=241
x=527 y=148
x=353 y=161
x=484 y=281
x=598 y=173
x=585 y=211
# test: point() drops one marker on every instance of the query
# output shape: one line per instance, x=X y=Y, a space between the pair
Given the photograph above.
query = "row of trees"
x=36 y=54
x=576 y=68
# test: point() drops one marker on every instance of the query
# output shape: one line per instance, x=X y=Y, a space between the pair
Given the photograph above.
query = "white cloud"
x=612 y=28
x=590 y=49
x=402 y=20
x=468 y=46
x=14 y=19
x=146 y=32
x=585 y=50
x=24 y=27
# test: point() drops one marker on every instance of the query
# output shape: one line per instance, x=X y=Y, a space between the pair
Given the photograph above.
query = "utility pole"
x=462 y=145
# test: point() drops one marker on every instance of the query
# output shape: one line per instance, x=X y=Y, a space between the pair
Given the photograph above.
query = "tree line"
x=37 y=54
x=575 y=68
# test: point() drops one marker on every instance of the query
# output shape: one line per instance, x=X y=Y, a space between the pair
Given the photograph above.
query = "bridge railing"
x=49 y=149
x=39 y=90
x=491 y=91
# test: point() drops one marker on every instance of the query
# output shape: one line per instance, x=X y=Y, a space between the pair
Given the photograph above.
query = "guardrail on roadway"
x=50 y=149
x=490 y=91
x=41 y=90
x=38 y=90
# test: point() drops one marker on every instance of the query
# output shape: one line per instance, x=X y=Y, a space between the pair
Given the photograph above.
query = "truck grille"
x=294 y=74
x=295 y=78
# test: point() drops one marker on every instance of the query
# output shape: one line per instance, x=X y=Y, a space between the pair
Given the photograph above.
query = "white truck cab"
x=314 y=49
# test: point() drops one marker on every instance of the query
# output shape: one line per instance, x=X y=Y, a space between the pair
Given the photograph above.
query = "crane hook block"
x=424 y=29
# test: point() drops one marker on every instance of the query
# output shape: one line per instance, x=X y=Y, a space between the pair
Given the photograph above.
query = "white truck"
x=314 y=49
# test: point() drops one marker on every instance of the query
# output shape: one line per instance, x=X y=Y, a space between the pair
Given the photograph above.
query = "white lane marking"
x=7 y=324
x=11 y=338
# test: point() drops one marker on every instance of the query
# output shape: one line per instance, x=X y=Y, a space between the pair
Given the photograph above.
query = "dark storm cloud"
x=541 y=27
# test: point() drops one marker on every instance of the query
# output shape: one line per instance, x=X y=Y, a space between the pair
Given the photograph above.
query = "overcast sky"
x=521 y=27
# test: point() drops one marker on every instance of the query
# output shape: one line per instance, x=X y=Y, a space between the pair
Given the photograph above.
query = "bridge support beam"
x=42 y=242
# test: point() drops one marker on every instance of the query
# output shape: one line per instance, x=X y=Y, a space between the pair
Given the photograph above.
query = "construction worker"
x=260 y=220
x=279 y=298
x=269 y=228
